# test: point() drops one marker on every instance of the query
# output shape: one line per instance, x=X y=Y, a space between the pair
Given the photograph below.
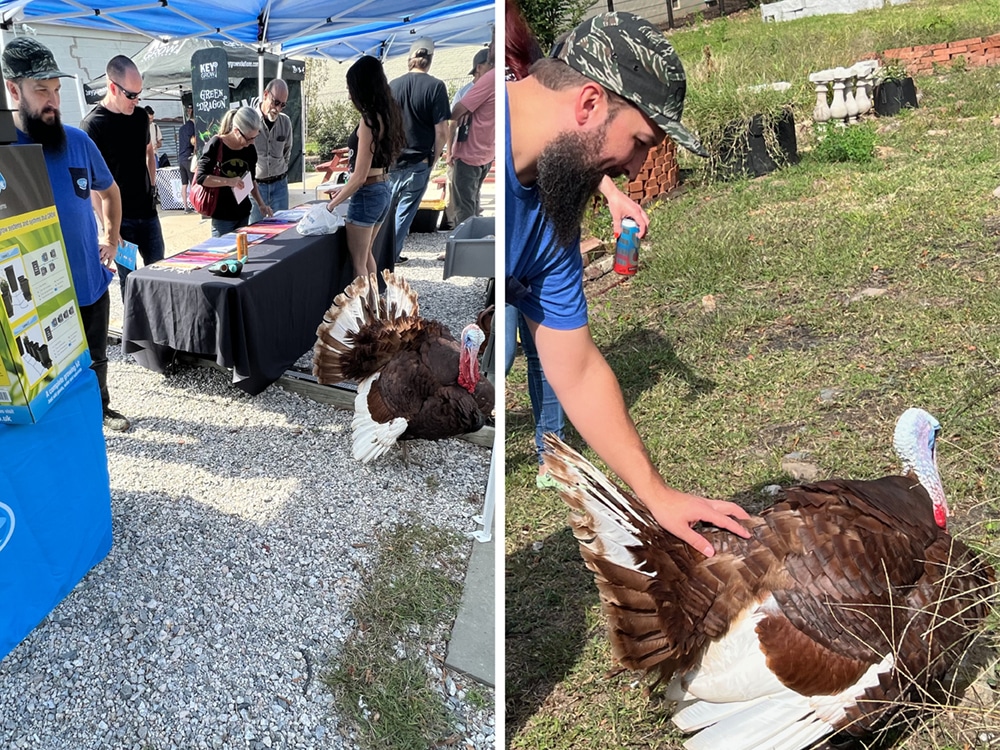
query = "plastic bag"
x=320 y=221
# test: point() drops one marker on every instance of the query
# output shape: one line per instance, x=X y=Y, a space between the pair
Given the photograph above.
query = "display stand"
x=55 y=507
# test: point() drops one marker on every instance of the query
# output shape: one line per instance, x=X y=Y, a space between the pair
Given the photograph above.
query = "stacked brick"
x=920 y=60
x=659 y=174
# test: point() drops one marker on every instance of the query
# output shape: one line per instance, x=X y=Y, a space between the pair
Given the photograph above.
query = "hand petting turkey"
x=677 y=512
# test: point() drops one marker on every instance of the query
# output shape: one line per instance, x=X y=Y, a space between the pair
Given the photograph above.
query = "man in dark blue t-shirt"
x=423 y=100
x=612 y=89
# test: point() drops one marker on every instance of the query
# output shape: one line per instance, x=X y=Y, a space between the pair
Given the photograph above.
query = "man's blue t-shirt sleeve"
x=544 y=279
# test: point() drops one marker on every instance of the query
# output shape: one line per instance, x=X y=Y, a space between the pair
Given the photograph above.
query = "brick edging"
x=922 y=59
x=659 y=174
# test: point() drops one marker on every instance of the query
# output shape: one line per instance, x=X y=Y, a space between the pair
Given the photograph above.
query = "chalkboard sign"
x=210 y=92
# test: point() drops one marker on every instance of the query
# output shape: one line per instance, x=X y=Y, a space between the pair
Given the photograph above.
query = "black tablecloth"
x=259 y=323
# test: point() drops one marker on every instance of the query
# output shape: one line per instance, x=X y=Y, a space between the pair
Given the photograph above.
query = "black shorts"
x=185 y=172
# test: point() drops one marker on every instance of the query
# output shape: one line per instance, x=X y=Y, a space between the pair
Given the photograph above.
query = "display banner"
x=55 y=507
x=42 y=342
x=210 y=92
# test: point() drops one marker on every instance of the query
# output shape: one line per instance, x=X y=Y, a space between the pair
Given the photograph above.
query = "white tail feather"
x=372 y=439
x=350 y=310
x=400 y=299
x=608 y=512
x=753 y=726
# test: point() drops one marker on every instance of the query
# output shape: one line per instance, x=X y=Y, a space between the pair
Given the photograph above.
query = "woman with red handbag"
x=228 y=163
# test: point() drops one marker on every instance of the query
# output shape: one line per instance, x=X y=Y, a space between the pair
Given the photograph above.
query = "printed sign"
x=42 y=342
x=209 y=91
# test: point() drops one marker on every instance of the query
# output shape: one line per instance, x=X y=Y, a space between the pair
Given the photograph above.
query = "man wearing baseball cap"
x=75 y=168
x=612 y=89
x=423 y=100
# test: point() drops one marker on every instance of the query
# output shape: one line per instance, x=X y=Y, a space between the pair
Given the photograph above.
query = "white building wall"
x=450 y=64
x=786 y=10
x=85 y=53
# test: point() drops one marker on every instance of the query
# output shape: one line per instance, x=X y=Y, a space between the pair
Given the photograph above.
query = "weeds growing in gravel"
x=380 y=679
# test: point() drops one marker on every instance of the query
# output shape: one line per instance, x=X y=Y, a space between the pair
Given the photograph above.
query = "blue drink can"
x=627 y=249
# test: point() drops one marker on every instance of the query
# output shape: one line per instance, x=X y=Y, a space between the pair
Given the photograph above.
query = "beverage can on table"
x=627 y=249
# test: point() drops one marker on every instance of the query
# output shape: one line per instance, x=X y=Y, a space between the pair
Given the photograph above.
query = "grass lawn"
x=843 y=293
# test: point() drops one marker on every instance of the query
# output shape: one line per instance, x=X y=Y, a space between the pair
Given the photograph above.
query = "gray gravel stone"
x=240 y=526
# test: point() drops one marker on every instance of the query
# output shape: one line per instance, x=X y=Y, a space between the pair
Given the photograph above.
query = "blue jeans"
x=545 y=407
x=225 y=226
x=408 y=186
x=275 y=195
x=369 y=205
x=147 y=234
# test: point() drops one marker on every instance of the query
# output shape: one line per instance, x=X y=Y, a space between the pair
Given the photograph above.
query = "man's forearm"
x=592 y=398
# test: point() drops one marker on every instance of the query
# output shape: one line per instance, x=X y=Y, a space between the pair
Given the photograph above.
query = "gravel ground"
x=240 y=524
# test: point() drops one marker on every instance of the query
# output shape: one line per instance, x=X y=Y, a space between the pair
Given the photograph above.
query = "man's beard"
x=51 y=136
x=568 y=177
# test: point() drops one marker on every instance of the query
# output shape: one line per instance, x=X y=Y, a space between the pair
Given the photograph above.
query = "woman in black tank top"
x=374 y=145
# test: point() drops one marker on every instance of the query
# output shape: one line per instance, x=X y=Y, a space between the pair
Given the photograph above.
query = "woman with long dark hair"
x=373 y=146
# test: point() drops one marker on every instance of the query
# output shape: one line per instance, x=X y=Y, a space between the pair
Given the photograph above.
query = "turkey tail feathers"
x=608 y=523
x=400 y=299
x=372 y=439
x=356 y=336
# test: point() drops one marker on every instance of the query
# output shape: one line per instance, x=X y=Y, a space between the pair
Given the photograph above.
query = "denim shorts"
x=369 y=205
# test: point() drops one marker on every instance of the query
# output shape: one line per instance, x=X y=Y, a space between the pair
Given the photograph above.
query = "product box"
x=43 y=346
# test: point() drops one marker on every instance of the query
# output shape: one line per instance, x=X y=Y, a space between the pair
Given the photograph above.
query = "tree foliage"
x=330 y=125
x=550 y=18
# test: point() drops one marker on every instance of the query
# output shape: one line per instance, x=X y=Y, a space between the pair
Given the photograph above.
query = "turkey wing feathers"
x=410 y=387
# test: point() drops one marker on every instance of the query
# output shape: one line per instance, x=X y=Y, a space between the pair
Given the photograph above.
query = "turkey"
x=848 y=598
x=414 y=379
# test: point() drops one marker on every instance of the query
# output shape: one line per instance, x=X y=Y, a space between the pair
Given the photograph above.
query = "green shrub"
x=550 y=18
x=854 y=143
x=330 y=125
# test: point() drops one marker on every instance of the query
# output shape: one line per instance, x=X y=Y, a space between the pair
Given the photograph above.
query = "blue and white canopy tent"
x=339 y=29
x=332 y=29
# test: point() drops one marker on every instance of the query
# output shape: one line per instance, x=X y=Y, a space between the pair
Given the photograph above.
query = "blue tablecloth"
x=55 y=507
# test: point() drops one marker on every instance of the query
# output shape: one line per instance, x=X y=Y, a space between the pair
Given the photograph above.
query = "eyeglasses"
x=130 y=95
x=278 y=103
x=244 y=136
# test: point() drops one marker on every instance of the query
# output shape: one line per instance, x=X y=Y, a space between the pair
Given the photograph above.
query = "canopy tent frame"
x=269 y=30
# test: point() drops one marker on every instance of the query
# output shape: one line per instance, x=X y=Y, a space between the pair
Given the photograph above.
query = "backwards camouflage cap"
x=26 y=57
x=627 y=55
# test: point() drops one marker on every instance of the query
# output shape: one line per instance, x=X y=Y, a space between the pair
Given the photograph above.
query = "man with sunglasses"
x=274 y=150
x=120 y=128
